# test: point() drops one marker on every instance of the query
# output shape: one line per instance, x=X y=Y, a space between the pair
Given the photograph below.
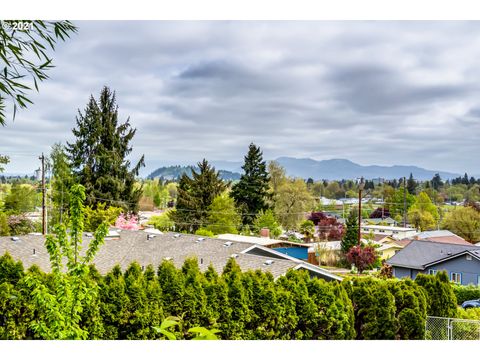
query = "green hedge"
x=243 y=305
x=464 y=293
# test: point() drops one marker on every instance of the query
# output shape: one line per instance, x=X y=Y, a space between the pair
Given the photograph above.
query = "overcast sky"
x=383 y=93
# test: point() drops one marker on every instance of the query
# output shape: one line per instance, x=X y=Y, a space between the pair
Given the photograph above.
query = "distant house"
x=441 y=236
x=394 y=231
x=389 y=247
x=381 y=221
x=461 y=262
x=146 y=248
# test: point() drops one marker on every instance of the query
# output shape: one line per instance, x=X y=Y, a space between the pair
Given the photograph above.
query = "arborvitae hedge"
x=243 y=305
x=464 y=293
x=441 y=300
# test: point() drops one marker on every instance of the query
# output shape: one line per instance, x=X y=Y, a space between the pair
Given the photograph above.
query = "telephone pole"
x=404 y=202
x=361 y=185
x=44 y=214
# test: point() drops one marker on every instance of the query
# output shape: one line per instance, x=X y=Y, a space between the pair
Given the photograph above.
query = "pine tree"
x=195 y=195
x=350 y=238
x=251 y=193
x=98 y=155
x=411 y=184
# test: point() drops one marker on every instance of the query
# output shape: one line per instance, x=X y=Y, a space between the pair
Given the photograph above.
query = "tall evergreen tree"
x=350 y=238
x=98 y=155
x=195 y=195
x=411 y=184
x=251 y=193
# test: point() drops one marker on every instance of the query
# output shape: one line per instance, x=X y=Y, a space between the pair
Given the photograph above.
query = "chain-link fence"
x=439 y=328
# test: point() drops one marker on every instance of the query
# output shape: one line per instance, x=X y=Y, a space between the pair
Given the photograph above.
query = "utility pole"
x=44 y=218
x=404 y=202
x=360 y=188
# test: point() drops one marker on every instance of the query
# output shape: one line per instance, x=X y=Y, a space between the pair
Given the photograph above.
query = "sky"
x=376 y=93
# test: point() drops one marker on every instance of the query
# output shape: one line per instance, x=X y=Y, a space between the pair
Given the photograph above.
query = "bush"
x=362 y=257
x=162 y=222
x=20 y=225
x=464 y=293
x=4 y=228
x=204 y=232
x=441 y=300
x=95 y=217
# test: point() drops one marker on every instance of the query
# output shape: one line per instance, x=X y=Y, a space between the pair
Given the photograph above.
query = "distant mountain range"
x=334 y=169
x=175 y=172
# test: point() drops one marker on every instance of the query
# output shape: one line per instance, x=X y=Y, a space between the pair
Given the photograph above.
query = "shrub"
x=204 y=232
x=4 y=228
x=441 y=300
x=162 y=222
x=20 y=225
x=464 y=293
x=127 y=222
x=361 y=257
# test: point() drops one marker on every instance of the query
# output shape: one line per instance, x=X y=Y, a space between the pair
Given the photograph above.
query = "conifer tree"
x=350 y=238
x=411 y=184
x=98 y=155
x=195 y=195
x=251 y=193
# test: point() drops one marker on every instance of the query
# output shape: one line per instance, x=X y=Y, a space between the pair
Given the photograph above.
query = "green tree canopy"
x=423 y=214
x=465 y=222
x=99 y=154
x=222 y=215
x=195 y=195
x=251 y=193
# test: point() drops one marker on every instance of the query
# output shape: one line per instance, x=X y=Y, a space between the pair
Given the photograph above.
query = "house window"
x=456 y=277
x=432 y=271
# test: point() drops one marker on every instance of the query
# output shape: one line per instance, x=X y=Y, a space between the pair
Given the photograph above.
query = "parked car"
x=471 y=304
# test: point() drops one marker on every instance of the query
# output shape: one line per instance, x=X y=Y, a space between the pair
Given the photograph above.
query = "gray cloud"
x=373 y=92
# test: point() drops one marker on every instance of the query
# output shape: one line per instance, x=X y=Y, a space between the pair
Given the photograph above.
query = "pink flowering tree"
x=127 y=222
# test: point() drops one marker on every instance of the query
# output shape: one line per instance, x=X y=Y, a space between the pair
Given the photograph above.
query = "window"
x=456 y=277
x=432 y=271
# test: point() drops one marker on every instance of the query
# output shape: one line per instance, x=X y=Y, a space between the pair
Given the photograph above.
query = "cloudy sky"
x=383 y=93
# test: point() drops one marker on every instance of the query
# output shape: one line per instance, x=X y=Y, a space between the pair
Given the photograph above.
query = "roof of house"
x=419 y=254
x=441 y=236
x=152 y=249
x=389 y=228
x=265 y=241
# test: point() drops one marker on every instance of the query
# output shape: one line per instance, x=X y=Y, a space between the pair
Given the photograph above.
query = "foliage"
x=61 y=306
x=329 y=229
x=423 y=214
x=361 y=257
x=99 y=154
x=307 y=228
x=470 y=314
x=266 y=219
x=465 y=293
x=222 y=215
x=204 y=232
x=379 y=213
x=61 y=182
x=316 y=217
x=24 y=53
x=4 y=160
x=162 y=222
x=251 y=193
x=395 y=202
x=195 y=195
x=20 y=225
x=465 y=222
x=4 y=228
x=350 y=238
x=21 y=199
x=292 y=201
x=440 y=296
x=95 y=217
x=127 y=222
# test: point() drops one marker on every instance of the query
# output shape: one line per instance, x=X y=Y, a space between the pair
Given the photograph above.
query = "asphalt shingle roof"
x=419 y=253
x=134 y=246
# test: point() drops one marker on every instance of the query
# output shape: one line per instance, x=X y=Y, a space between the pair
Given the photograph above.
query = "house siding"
x=470 y=269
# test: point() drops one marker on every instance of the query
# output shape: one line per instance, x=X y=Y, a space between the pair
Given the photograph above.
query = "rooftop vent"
x=150 y=236
x=88 y=234
x=228 y=244
x=14 y=238
x=168 y=258
x=234 y=256
x=34 y=253
x=268 y=262
x=176 y=236
x=449 y=253
x=200 y=240
x=469 y=257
